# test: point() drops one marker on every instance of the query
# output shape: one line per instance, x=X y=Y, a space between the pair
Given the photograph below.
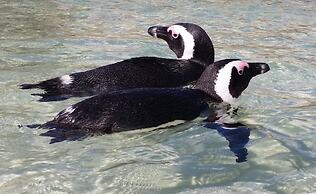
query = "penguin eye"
x=175 y=36
x=240 y=72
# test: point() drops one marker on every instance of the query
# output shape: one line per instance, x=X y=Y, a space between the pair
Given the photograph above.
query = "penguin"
x=190 y=42
x=125 y=110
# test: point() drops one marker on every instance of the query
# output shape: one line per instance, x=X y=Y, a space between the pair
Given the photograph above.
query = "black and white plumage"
x=190 y=43
x=187 y=41
x=224 y=81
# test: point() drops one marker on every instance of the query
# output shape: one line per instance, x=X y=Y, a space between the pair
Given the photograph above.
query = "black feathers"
x=142 y=72
x=147 y=92
x=127 y=110
x=124 y=110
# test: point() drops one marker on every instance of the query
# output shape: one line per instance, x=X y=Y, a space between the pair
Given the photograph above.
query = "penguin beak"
x=159 y=32
x=258 y=68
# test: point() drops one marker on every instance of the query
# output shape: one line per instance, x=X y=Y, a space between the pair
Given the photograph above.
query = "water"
x=43 y=39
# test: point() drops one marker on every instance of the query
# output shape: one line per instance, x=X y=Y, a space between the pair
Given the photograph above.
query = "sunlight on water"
x=44 y=39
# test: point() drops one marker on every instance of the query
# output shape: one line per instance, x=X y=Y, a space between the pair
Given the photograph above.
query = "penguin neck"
x=204 y=50
x=209 y=92
x=206 y=83
x=204 y=65
x=202 y=57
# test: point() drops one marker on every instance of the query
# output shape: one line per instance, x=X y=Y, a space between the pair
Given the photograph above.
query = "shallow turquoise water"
x=43 y=39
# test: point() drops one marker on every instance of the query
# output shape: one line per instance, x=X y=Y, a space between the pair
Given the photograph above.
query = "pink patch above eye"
x=242 y=65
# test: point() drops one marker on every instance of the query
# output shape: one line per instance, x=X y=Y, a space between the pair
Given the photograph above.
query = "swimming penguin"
x=190 y=42
x=118 y=111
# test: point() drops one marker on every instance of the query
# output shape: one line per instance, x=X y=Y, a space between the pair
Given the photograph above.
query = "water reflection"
x=237 y=135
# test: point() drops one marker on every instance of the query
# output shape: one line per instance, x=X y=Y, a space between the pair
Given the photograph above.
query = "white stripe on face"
x=66 y=79
x=223 y=80
x=187 y=38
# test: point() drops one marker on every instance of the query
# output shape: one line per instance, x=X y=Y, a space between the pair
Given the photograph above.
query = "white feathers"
x=222 y=85
x=66 y=112
x=66 y=79
x=188 y=40
x=223 y=80
x=69 y=110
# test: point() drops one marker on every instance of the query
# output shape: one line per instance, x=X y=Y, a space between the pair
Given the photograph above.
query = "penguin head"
x=187 y=41
x=226 y=79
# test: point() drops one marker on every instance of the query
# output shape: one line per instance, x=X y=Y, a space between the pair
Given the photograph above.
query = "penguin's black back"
x=142 y=72
x=128 y=110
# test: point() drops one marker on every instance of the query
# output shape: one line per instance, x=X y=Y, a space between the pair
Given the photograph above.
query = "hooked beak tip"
x=158 y=32
x=264 y=68
x=152 y=31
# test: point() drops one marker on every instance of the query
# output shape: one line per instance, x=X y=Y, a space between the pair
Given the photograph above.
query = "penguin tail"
x=29 y=86
x=59 y=134
x=54 y=90
x=51 y=85
x=48 y=97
